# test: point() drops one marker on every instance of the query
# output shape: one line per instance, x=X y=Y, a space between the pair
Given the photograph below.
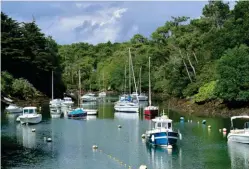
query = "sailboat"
x=78 y=112
x=103 y=93
x=141 y=96
x=127 y=105
x=150 y=110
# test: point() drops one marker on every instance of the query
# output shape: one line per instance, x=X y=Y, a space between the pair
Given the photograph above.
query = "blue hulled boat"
x=162 y=134
x=79 y=112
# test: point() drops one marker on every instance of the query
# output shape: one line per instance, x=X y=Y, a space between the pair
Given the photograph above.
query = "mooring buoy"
x=95 y=147
x=203 y=121
x=49 y=139
x=143 y=167
x=169 y=146
x=224 y=130
x=119 y=126
x=33 y=130
x=143 y=135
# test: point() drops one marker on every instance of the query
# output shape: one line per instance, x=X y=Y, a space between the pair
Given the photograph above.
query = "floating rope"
x=115 y=159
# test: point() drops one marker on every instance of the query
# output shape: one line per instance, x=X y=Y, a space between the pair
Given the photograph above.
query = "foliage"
x=6 y=82
x=233 y=74
x=23 y=89
x=206 y=92
x=27 y=53
x=189 y=57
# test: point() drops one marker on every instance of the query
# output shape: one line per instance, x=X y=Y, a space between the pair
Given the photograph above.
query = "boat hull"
x=151 y=112
x=162 y=138
x=31 y=119
x=238 y=138
x=16 y=110
x=91 y=112
x=126 y=109
x=77 y=115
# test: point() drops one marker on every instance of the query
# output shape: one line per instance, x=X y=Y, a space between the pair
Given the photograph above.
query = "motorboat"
x=55 y=103
x=68 y=101
x=30 y=116
x=162 y=134
x=89 y=97
x=14 y=109
x=126 y=106
x=239 y=135
x=78 y=113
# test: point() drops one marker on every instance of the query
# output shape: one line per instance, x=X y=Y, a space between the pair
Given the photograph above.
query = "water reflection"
x=26 y=136
x=133 y=116
x=162 y=158
x=239 y=154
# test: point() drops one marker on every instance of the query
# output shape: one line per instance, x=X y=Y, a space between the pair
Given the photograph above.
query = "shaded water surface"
x=72 y=142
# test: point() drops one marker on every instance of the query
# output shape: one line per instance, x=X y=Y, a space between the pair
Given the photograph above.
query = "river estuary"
x=72 y=141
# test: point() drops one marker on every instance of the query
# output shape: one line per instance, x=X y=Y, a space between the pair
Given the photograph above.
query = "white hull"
x=239 y=138
x=14 y=109
x=91 y=111
x=30 y=118
x=125 y=108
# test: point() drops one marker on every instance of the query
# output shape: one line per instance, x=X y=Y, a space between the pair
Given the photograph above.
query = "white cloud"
x=106 y=22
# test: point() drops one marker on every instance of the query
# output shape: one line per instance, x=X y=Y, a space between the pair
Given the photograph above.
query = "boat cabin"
x=162 y=122
x=29 y=110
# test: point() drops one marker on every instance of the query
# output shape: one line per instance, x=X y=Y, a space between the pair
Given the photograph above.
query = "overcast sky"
x=95 y=22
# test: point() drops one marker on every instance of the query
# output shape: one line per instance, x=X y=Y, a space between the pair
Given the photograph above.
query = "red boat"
x=151 y=111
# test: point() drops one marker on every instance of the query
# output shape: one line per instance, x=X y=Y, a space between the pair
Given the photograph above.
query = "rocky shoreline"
x=209 y=109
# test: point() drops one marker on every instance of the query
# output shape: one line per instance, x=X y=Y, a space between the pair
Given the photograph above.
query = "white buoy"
x=33 y=130
x=143 y=135
x=169 y=146
x=198 y=122
x=95 y=147
x=224 y=130
x=49 y=139
x=119 y=126
x=143 y=167
x=188 y=121
x=44 y=138
x=219 y=130
x=209 y=127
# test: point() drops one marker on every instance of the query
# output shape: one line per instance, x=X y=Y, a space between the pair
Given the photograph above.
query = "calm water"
x=73 y=139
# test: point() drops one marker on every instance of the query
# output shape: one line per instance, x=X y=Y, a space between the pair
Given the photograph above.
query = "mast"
x=149 y=85
x=140 y=80
x=79 y=90
x=129 y=73
x=103 y=82
x=133 y=74
x=125 y=81
x=52 y=84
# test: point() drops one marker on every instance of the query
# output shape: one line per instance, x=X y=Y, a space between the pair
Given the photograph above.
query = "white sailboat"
x=239 y=135
x=103 y=93
x=55 y=104
x=141 y=96
x=127 y=106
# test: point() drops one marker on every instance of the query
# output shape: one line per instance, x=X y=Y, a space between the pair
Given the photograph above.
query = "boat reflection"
x=132 y=116
x=161 y=158
x=26 y=136
x=239 y=154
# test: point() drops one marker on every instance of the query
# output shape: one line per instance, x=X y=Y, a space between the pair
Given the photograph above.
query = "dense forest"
x=202 y=59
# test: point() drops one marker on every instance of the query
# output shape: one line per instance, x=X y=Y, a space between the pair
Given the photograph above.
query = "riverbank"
x=209 y=109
